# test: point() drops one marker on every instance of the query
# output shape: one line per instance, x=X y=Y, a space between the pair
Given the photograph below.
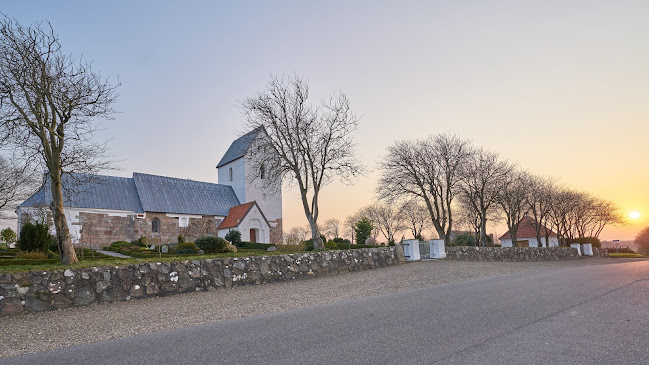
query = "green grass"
x=115 y=261
x=627 y=255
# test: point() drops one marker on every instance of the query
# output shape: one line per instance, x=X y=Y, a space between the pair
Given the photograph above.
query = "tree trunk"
x=483 y=230
x=318 y=245
x=68 y=256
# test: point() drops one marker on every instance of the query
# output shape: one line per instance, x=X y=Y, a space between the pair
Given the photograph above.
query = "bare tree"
x=16 y=183
x=483 y=179
x=296 y=235
x=303 y=144
x=514 y=200
x=47 y=104
x=332 y=228
x=642 y=240
x=386 y=219
x=541 y=196
x=416 y=218
x=350 y=224
x=577 y=214
x=198 y=228
x=429 y=170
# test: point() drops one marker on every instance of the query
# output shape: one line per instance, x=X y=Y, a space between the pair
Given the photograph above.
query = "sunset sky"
x=560 y=87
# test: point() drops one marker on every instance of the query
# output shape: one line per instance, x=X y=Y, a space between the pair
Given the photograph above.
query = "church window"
x=155 y=225
x=183 y=222
x=230 y=172
x=262 y=172
x=263 y=197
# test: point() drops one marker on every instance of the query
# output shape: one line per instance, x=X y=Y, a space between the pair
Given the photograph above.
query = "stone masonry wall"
x=48 y=290
x=511 y=253
x=99 y=230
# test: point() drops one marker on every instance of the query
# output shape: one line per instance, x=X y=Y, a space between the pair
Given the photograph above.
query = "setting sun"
x=634 y=215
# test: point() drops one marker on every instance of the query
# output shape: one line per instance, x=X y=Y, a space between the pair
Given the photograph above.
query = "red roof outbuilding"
x=527 y=229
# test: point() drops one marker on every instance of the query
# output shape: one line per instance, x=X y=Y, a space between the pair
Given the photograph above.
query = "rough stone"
x=10 y=306
x=84 y=296
x=271 y=249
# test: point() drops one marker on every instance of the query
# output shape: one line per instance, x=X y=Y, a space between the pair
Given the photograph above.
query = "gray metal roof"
x=172 y=195
x=239 y=147
x=91 y=191
x=142 y=193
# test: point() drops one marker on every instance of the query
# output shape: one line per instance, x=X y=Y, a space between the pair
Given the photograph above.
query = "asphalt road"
x=582 y=315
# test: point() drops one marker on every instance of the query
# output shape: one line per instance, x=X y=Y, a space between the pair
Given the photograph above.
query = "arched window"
x=155 y=225
x=262 y=172
x=230 y=171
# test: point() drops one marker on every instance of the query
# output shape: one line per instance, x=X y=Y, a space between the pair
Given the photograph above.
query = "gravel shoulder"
x=37 y=332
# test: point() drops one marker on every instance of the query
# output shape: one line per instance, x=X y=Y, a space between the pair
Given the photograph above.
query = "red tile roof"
x=527 y=229
x=236 y=212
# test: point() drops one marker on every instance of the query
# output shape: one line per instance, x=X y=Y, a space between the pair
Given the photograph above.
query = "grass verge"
x=627 y=255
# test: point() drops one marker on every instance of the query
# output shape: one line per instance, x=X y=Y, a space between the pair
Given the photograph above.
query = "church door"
x=253 y=235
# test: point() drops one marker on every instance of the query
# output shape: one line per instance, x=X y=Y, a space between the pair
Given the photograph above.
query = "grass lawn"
x=102 y=260
x=626 y=255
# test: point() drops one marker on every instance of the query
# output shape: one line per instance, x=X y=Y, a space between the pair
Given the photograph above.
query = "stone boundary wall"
x=600 y=252
x=49 y=290
x=469 y=253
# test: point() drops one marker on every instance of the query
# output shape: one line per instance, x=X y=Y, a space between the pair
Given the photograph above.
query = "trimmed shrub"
x=291 y=248
x=34 y=237
x=181 y=239
x=211 y=244
x=254 y=245
x=343 y=245
x=186 y=248
x=15 y=262
x=120 y=244
x=234 y=237
x=32 y=255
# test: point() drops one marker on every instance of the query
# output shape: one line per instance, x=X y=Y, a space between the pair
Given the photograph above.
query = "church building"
x=103 y=209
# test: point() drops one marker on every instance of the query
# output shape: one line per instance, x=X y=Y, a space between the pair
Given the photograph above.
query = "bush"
x=211 y=244
x=592 y=240
x=464 y=239
x=7 y=236
x=181 y=239
x=234 y=237
x=34 y=237
x=186 y=248
x=363 y=230
x=331 y=245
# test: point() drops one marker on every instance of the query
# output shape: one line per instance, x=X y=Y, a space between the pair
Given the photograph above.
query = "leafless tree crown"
x=302 y=144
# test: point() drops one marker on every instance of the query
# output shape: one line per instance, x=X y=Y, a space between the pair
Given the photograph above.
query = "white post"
x=577 y=246
x=437 y=249
x=588 y=249
x=411 y=250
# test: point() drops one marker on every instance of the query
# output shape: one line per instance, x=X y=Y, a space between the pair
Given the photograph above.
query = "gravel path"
x=49 y=330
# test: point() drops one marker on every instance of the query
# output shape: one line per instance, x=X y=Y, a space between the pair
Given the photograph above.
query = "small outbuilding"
x=526 y=236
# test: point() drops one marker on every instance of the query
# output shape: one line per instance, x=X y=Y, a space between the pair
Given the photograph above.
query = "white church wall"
x=238 y=177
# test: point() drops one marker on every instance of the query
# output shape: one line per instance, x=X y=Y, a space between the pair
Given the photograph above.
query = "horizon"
x=556 y=87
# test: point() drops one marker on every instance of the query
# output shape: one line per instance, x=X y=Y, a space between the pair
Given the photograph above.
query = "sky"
x=559 y=87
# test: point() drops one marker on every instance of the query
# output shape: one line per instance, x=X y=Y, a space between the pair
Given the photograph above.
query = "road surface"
x=582 y=315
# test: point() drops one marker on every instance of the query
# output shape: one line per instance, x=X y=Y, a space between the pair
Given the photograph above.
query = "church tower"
x=236 y=169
